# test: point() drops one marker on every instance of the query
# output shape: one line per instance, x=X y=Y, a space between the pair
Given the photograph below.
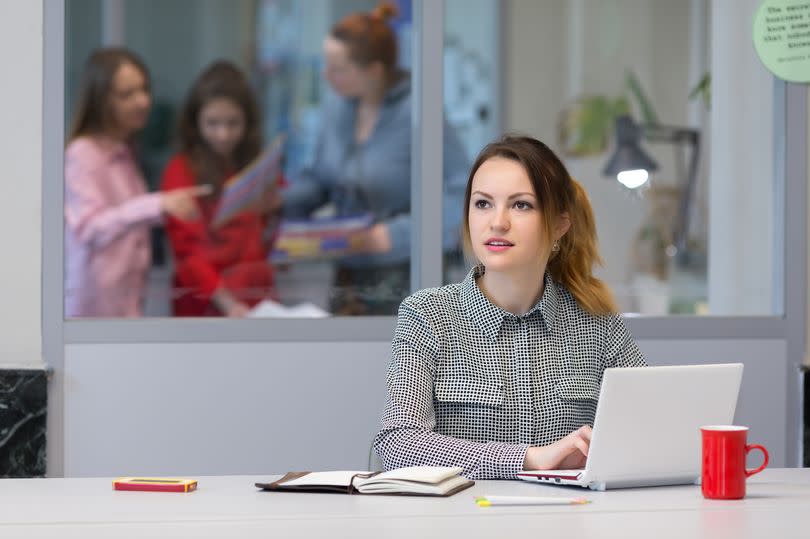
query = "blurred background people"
x=362 y=163
x=108 y=212
x=218 y=270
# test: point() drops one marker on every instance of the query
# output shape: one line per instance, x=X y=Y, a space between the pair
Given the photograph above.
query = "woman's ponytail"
x=572 y=265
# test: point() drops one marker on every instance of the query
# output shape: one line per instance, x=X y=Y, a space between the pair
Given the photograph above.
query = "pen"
x=487 y=501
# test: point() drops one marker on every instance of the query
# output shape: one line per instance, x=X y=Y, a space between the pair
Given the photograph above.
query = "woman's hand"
x=182 y=203
x=237 y=310
x=228 y=304
x=271 y=202
x=376 y=239
x=568 y=453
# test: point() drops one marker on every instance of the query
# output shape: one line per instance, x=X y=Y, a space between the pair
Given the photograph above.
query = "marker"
x=488 y=501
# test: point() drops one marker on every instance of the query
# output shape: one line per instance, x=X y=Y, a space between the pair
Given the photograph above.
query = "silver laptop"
x=647 y=426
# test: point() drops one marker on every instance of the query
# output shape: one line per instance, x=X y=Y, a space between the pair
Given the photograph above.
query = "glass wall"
x=591 y=78
x=316 y=220
x=208 y=207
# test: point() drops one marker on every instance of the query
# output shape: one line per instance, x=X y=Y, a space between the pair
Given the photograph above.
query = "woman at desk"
x=108 y=212
x=362 y=163
x=501 y=372
x=219 y=270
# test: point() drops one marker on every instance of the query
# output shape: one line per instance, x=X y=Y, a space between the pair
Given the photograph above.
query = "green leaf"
x=648 y=115
x=703 y=89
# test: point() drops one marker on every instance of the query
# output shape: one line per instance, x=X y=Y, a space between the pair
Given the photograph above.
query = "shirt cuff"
x=504 y=461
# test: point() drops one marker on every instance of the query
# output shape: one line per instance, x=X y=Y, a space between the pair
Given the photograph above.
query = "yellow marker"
x=489 y=501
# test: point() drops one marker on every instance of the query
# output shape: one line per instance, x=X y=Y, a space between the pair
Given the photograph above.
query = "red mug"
x=723 y=472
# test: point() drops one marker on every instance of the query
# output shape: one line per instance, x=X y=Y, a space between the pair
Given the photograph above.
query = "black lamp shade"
x=628 y=154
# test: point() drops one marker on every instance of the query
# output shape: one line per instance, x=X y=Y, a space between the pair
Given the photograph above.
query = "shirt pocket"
x=469 y=391
x=581 y=387
x=470 y=408
x=577 y=397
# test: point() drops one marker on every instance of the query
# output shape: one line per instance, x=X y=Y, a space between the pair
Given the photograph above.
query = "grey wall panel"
x=763 y=403
x=258 y=408
x=243 y=408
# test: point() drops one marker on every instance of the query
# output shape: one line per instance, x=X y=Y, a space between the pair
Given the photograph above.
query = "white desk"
x=777 y=506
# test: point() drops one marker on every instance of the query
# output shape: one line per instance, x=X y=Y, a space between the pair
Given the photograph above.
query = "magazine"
x=245 y=190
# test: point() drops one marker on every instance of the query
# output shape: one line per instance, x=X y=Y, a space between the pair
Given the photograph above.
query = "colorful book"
x=319 y=238
x=245 y=190
x=155 y=484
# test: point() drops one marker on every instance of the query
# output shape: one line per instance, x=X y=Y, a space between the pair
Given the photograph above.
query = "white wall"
x=21 y=185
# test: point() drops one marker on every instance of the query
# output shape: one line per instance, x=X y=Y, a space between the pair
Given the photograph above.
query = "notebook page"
x=397 y=485
x=332 y=479
x=422 y=474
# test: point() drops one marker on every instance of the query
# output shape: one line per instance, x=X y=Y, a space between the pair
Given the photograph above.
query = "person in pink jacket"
x=108 y=211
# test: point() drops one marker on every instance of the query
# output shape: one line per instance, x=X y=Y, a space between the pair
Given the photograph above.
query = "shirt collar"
x=400 y=88
x=490 y=317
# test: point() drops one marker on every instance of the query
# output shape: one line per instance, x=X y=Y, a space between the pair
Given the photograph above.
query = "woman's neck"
x=372 y=99
x=116 y=135
x=374 y=96
x=516 y=292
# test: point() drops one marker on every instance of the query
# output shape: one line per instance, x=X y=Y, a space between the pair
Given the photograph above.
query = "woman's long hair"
x=222 y=79
x=556 y=192
x=93 y=114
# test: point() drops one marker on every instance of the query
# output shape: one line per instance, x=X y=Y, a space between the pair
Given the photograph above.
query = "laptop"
x=647 y=426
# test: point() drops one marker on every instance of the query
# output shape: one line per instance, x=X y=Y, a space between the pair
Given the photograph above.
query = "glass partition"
x=254 y=163
x=699 y=235
x=641 y=100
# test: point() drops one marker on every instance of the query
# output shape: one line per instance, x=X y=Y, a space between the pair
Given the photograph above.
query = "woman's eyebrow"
x=516 y=195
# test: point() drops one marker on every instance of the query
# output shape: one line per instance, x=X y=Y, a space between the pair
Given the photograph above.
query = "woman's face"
x=222 y=125
x=346 y=77
x=506 y=225
x=130 y=100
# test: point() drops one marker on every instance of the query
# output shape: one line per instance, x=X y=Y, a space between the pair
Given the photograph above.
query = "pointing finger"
x=200 y=190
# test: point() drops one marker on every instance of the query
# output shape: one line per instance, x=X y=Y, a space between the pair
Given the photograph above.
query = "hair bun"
x=385 y=11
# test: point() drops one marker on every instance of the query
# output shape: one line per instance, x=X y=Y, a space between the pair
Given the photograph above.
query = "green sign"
x=782 y=38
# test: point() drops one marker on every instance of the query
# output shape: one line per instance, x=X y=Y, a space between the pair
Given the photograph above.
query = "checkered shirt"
x=472 y=385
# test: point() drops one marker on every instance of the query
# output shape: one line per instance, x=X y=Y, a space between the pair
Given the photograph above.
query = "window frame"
x=790 y=170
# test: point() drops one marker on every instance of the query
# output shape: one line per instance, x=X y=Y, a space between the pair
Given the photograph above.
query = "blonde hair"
x=557 y=193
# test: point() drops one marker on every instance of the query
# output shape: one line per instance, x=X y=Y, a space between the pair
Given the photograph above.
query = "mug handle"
x=749 y=473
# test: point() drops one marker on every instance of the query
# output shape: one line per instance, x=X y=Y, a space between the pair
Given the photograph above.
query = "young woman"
x=362 y=163
x=223 y=270
x=501 y=372
x=108 y=212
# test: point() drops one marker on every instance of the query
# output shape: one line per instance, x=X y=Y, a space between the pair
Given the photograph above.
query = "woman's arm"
x=89 y=216
x=397 y=236
x=620 y=348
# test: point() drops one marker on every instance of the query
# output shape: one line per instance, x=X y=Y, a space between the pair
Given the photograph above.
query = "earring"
x=555 y=246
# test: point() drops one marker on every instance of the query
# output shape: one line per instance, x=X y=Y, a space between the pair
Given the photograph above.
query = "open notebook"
x=413 y=481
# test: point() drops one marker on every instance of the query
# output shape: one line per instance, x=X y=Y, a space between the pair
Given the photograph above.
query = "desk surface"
x=777 y=506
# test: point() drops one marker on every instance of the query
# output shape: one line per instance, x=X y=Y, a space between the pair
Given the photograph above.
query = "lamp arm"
x=682 y=225
x=667 y=133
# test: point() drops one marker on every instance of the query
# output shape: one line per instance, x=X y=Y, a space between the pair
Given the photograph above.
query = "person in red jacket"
x=219 y=270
